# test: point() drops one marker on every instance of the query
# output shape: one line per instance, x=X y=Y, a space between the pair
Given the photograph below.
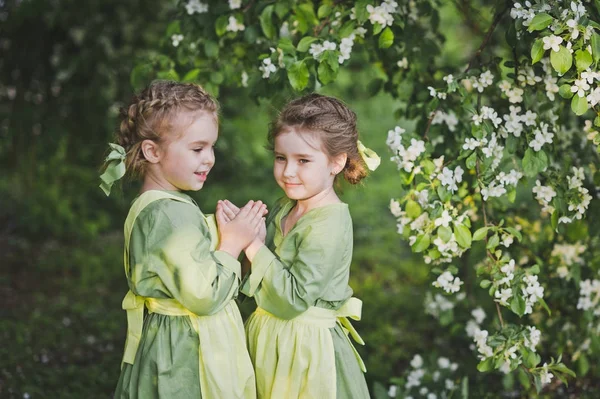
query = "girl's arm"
x=177 y=260
x=288 y=290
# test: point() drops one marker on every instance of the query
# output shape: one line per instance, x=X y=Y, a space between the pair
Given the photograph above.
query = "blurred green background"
x=65 y=71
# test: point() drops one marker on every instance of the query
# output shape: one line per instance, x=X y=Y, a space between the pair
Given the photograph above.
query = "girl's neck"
x=325 y=197
x=152 y=182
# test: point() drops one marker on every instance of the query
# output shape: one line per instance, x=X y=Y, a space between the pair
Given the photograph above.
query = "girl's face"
x=187 y=158
x=301 y=168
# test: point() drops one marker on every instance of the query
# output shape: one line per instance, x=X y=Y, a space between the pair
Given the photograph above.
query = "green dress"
x=298 y=336
x=185 y=334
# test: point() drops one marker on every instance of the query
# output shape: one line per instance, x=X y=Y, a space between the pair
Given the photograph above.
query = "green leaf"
x=493 y=242
x=324 y=11
x=422 y=243
x=565 y=91
x=171 y=74
x=596 y=46
x=471 y=161
x=173 y=28
x=211 y=49
x=480 y=234
x=579 y=105
x=377 y=28
x=217 y=77
x=554 y=219
x=485 y=283
x=564 y=369
x=486 y=365
x=386 y=39
x=517 y=304
x=537 y=51
x=266 y=22
x=534 y=162
x=287 y=46
x=463 y=235
x=444 y=233
x=515 y=233
x=326 y=73
x=298 y=75
x=221 y=25
x=561 y=60
x=444 y=194
x=305 y=42
x=191 y=75
x=413 y=209
x=545 y=306
x=583 y=59
x=540 y=22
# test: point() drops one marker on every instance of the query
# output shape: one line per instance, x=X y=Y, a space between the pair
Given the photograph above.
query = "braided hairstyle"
x=152 y=115
x=332 y=121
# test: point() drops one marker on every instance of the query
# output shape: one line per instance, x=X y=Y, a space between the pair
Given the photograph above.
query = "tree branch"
x=488 y=36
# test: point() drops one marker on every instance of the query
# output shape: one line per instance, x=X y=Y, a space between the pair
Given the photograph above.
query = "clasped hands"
x=241 y=228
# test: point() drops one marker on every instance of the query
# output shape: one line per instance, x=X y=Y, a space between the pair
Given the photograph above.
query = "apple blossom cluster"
x=578 y=197
x=589 y=296
x=448 y=282
x=481 y=337
x=196 y=6
x=435 y=382
x=267 y=68
x=544 y=195
x=234 y=25
x=176 y=39
x=567 y=255
x=405 y=157
x=449 y=119
x=382 y=14
x=436 y=305
x=235 y=4
x=484 y=80
x=497 y=188
x=474 y=324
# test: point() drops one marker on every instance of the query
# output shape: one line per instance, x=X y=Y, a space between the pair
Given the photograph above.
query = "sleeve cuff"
x=229 y=262
x=261 y=263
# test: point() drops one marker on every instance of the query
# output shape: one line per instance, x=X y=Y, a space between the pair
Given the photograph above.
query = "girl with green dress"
x=298 y=337
x=185 y=336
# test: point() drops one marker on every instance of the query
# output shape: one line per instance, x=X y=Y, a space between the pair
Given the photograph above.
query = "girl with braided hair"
x=298 y=335
x=185 y=336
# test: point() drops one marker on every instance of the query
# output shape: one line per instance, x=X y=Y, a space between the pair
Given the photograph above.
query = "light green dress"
x=185 y=333
x=298 y=336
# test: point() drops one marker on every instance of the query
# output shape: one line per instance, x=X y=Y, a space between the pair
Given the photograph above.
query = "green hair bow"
x=115 y=168
x=369 y=156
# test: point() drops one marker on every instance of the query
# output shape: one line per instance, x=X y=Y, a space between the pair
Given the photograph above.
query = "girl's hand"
x=230 y=210
x=257 y=243
x=237 y=233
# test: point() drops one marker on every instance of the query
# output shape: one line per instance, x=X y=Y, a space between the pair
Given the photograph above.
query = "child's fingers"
x=256 y=211
x=228 y=211
x=231 y=206
x=245 y=211
x=264 y=210
x=220 y=216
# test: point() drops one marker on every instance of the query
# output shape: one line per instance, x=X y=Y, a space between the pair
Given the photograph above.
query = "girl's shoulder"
x=177 y=209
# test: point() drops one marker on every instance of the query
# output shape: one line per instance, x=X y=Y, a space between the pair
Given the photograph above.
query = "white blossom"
x=196 y=6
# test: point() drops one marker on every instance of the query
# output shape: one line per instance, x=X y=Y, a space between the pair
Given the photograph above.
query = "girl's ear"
x=151 y=151
x=339 y=162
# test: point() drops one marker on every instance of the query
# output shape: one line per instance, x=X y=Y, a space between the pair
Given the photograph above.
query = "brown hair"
x=152 y=115
x=332 y=121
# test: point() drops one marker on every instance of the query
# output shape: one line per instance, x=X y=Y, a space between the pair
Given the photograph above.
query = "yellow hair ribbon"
x=369 y=156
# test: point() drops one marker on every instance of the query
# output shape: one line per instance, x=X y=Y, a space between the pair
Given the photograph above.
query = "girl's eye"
x=304 y=161
x=198 y=149
x=279 y=158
